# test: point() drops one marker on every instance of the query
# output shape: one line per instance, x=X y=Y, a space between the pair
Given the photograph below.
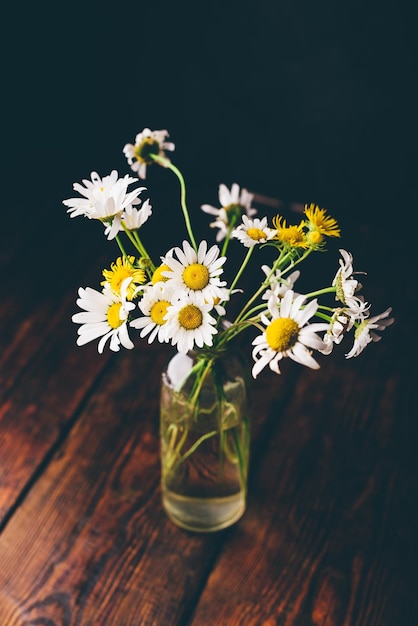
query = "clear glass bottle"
x=205 y=440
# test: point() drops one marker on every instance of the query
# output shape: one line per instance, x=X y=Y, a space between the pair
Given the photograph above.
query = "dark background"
x=306 y=102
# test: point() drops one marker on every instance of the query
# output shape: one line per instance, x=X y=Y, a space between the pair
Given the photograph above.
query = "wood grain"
x=329 y=536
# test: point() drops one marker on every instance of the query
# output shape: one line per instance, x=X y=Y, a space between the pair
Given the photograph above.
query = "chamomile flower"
x=364 y=333
x=252 y=232
x=104 y=199
x=189 y=323
x=147 y=142
x=196 y=272
x=234 y=203
x=153 y=305
x=219 y=301
x=184 y=298
x=104 y=315
x=342 y=322
x=120 y=270
x=287 y=334
x=133 y=218
x=346 y=285
x=279 y=284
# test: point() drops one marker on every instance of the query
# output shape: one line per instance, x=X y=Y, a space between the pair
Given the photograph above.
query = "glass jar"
x=205 y=440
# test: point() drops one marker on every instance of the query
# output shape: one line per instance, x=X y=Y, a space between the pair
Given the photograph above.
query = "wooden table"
x=329 y=536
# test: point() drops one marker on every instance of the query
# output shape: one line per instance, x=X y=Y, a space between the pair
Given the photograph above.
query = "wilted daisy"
x=364 y=333
x=252 y=232
x=104 y=199
x=287 y=334
x=147 y=142
x=342 y=322
x=234 y=203
x=196 y=272
x=346 y=285
x=104 y=315
x=120 y=270
x=153 y=305
x=190 y=324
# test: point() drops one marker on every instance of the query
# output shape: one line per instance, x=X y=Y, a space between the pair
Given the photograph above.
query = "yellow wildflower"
x=293 y=236
x=121 y=269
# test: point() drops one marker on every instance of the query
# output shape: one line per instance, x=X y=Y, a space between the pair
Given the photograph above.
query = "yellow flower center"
x=233 y=212
x=158 y=311
x=147 y=146
x=157 y=275
x=282 y=334
x=256 y=234
x=292 y=235
x=196 y=276
x=339 y=290
x=190 y=317
x=113 y=318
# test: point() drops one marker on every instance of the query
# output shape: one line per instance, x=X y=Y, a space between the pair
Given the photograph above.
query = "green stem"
x=276 y=265
x=196 y=444
x=166 y=163
x=320 y=292
x=242 y=268
x=240 y=457
x=135 y=241
x=121 y=247
x=323 y=316
x=199 y=381
x=228 y=235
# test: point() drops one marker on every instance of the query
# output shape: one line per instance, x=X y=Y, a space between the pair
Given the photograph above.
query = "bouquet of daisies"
x=183 y=299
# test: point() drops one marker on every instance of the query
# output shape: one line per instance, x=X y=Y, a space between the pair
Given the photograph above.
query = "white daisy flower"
x=346 y=285
x=287 y=334
x=278 y=283
x=364 y=333
x=253 y=231
x=218 y=303
x=342 y=322
x=104 y=199
x=234 y=203
x=189 y=323
x=147 y=142
x=153 y=305
x=133 y=218
x=105 y=315
x=196 y=273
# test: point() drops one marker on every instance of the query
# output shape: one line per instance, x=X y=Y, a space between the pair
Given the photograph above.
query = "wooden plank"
x=324 y=535
x=41 y=408
x=91 y=540
x=327 y=539
x=44 y=376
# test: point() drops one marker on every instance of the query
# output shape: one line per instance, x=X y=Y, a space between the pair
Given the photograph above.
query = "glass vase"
x=205 y=439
